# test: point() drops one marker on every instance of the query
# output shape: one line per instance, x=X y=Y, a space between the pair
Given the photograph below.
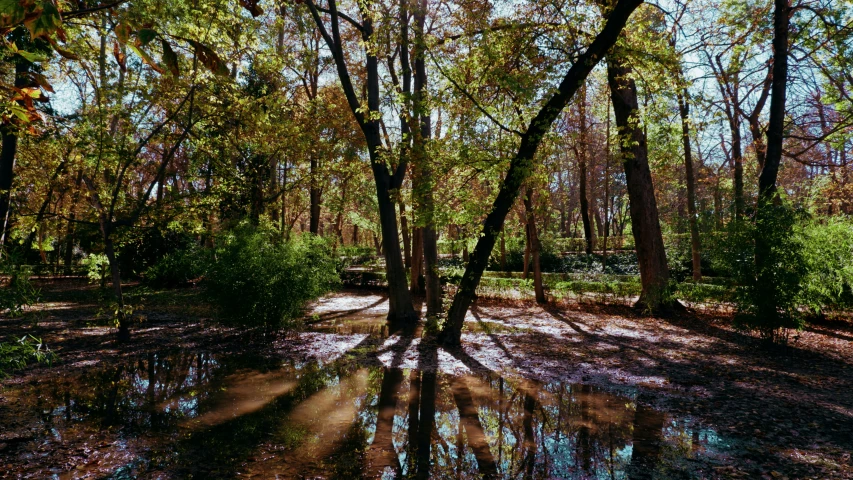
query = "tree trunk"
x=417 y=262
x=526 y=269
x=535 y=246
x=684 y=110
x=7 y=156
x=503 y=252
x=737 y=157
x=407 y=245
x=521 y=165
x=314 y=197
x=776 y=123
x=115 y=274
x=582 y=174
x=423 y=170
x=767 y=309
x=645 y=223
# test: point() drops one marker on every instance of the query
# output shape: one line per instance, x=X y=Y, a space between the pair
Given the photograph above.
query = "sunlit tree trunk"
x=399 y=299
x=423 y=169
x=535 y=246
x=645 y=223
x=684 y=111
x=407 y=245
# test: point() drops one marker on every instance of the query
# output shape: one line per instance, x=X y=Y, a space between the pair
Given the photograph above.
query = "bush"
x=97 y=266
x=767 y=297
x=179 y=267
x=828 y=255
x=17 y=354
x=258 y=281
x=19 y=292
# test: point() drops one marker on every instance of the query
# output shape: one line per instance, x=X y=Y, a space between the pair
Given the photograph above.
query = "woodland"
x=426 y=239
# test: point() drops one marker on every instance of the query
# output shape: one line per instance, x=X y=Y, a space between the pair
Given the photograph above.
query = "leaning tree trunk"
x=521 y=165
x=645 y=223
x=684 y=111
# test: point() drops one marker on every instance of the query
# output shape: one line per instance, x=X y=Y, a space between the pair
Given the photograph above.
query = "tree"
x=387 y=180
x=521 y=164
x=645 y=224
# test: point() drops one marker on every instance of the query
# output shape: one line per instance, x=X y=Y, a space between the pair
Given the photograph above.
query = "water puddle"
x=193 y=414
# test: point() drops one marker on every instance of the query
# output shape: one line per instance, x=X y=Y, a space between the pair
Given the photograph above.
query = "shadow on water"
x=199 y=415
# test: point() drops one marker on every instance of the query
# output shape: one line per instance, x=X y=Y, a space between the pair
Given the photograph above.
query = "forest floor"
x=785 y=413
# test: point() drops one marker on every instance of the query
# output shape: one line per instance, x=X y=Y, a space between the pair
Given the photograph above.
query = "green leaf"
x=146 y=58
x=11 y=13
x=145 y=36
x=44 y=22
x=32 y=57
x=170 y=58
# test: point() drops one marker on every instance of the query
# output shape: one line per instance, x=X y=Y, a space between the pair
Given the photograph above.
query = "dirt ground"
x=788 y=413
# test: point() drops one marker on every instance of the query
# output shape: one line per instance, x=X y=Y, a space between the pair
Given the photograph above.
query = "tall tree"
x=645 y=223
x=368 y=118
x=521 y=165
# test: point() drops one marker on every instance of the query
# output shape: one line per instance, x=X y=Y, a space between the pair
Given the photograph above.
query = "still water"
x=199 y=415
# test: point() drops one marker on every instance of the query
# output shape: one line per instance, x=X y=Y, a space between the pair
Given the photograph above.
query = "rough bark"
x=521 y=164
x=407 y=243
x=423 y=170
x=645 y=224
x=684 y=111
x=416 y=271
x=535 y=246
x=582 y=174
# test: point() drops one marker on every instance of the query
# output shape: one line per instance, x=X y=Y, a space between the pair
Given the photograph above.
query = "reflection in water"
x=215 y=416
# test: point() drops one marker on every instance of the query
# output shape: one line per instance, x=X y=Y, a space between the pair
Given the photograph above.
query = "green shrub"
x=828 y=253
x=97 y=266
x=258 y=281
x=179 y=267
x=17 y=354
x=19 y=292
x=350 y=255
x=767 y=297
